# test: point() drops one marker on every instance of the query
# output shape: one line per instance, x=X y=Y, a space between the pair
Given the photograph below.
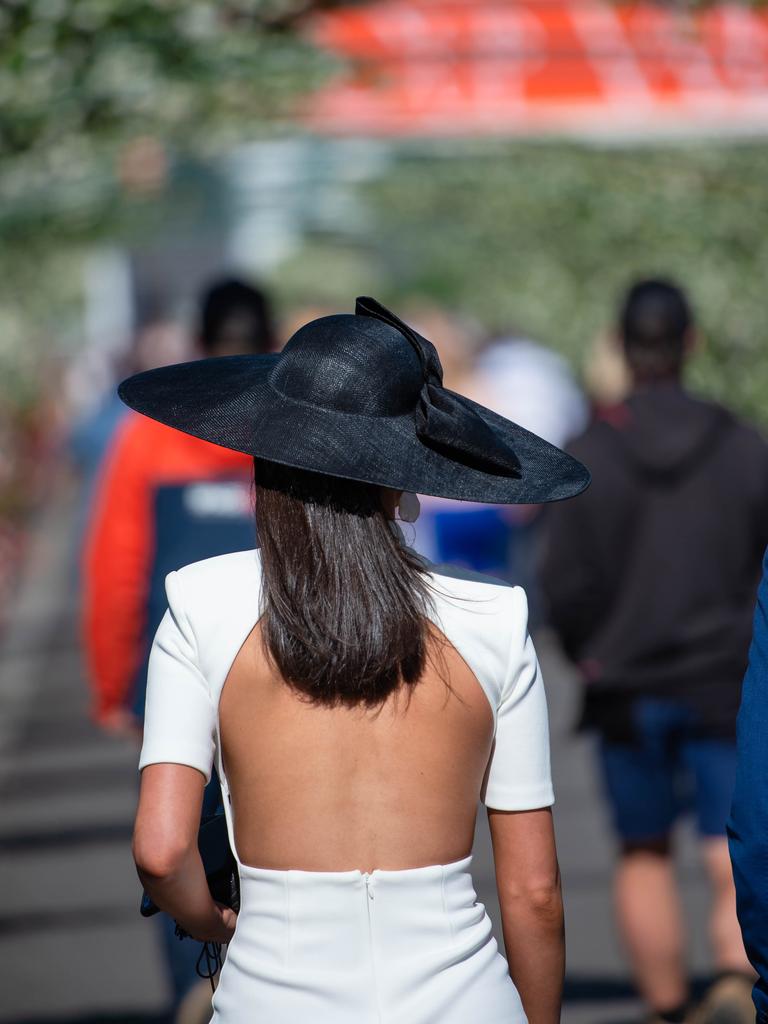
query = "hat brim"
x=229 y=401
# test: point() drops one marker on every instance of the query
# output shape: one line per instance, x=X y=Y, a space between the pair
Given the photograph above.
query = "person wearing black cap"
x=355 y=701
x=650 y=580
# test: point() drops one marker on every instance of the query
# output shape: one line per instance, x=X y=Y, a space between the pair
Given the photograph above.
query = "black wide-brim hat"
x=360 y=397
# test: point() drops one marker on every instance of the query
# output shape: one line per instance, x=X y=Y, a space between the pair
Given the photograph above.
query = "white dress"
x=390 y=947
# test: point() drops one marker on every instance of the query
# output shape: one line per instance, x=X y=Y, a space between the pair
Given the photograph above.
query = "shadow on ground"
x=594 y=990
x=579 y=989
x=98 y=1018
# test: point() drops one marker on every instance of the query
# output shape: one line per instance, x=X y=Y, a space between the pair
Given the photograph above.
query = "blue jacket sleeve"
x=748 y=824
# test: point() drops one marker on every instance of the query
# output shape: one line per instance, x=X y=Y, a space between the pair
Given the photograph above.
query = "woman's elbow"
x=539 y=898
x=158 y=857
x=546 y=903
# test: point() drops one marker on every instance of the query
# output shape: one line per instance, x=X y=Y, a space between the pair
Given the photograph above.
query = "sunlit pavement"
x=72 y=945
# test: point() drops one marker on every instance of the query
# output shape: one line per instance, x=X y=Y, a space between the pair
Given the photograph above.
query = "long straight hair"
x=344 y=601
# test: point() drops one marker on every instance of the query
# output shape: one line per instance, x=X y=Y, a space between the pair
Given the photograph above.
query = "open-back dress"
x=325 y=947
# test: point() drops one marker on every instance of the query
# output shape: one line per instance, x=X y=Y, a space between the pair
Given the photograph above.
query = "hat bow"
x=444 y=420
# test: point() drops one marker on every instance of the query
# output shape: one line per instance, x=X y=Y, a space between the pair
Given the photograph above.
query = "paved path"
x=72 y=947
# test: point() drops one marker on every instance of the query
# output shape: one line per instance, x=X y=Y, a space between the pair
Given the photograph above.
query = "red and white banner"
x=448 y=67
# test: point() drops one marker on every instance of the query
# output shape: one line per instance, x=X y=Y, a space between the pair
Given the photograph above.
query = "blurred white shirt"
x=533 y=386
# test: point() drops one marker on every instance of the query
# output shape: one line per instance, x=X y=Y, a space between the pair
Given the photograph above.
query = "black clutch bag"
x=219 y=864
x=223 y=881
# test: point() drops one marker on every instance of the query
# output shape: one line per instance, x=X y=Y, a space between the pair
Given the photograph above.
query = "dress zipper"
x=368 y=901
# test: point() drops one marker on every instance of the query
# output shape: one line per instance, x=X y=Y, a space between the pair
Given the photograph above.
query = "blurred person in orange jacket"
x=163 y=499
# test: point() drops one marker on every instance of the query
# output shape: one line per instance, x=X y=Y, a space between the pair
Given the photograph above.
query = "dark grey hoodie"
x=650 y=576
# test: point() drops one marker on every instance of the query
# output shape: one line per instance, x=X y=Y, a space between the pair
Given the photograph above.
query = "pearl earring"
x=409 y=507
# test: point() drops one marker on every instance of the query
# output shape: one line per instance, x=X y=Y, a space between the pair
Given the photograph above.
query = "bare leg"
x=724 y=931
x=650 y=922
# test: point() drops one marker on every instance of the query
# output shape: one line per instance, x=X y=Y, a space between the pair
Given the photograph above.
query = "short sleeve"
x=519 y=776
x=180 y=717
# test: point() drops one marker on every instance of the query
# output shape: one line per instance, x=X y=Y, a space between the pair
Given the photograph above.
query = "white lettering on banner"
x=499 y=48
x=520 y=40
x=675 y=42
x=228 y=499
x=506 y=32
x=610 y=52
x=432 y=87
x=403 y=31
x=421 y=63
x=743 y=45
x=456 y=66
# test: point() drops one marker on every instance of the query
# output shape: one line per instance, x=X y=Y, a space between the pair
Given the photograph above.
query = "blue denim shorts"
x=668 y=771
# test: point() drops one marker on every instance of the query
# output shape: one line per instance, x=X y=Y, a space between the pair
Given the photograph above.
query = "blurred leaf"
x=80 y=80
x=543 y=237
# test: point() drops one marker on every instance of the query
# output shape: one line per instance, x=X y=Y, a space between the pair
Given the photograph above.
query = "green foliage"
x=101 y=101
x=543 y=238
x=81 y=80
x=536 y=236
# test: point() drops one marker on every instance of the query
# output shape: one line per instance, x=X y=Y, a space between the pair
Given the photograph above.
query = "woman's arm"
x=166 y=854
x=528 y=883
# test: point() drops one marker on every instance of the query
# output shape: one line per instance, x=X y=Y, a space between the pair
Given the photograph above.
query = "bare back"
x=331 y=789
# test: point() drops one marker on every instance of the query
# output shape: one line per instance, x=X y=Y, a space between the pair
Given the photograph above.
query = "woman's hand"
x=223 y=926
x=121 y=723
x=219 y=926
x=228 y=924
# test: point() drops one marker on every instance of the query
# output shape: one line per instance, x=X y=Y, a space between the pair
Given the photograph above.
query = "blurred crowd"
x=512 y=374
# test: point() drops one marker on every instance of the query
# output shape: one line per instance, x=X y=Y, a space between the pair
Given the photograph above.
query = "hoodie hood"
x=665 y=431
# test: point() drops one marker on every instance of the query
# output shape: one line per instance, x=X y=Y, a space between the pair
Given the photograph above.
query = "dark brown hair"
x=343 y=600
